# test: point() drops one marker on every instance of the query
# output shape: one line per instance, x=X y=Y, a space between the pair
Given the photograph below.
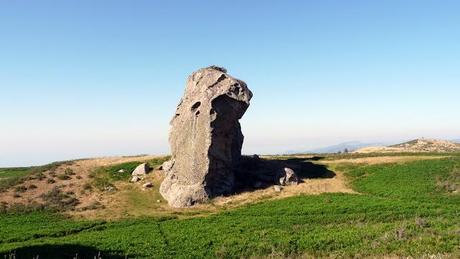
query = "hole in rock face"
x=195 y=106
x=197 y=113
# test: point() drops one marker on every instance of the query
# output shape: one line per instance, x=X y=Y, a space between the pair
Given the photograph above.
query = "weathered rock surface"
x=166 y=166
x=288 y=177
x=205 y=138
x=141 y=169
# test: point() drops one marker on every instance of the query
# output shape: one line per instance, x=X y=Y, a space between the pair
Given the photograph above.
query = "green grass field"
x=404 y=209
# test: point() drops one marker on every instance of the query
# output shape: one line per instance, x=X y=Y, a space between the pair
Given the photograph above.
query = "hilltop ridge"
x=416 y=145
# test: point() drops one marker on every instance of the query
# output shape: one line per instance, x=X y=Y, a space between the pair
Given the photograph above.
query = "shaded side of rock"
x=205 y=138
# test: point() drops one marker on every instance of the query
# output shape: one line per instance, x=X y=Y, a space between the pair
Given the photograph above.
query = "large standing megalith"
x=205 y=137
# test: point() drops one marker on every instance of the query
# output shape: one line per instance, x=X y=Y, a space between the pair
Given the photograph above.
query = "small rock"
x=277 y=188
x=147 y=185
x=141 y=169
x=121 y=171
x=109 y=189
x=135 y=179
x=158 y=201
x=288 y=177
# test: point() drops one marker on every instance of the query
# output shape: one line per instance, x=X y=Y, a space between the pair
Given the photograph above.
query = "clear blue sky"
x=95 y=78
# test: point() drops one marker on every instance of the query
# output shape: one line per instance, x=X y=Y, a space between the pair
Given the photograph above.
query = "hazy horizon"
x=81 y=79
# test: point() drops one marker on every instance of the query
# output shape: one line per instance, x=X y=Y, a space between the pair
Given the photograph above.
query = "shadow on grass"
x=305 y=169
x=316 y=158
x=62 y=251
x=255 y=173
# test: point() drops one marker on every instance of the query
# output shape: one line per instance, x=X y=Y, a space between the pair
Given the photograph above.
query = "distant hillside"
x=456 y=141
x=350 y=146
x=416 y=145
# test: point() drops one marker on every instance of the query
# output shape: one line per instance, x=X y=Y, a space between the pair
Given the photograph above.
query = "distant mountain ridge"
x=350 y=146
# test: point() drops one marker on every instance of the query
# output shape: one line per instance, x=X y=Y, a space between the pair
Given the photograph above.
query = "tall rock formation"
x=205 y=138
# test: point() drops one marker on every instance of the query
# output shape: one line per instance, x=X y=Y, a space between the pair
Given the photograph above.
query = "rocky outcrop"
x=205 y=138
x=288 y=177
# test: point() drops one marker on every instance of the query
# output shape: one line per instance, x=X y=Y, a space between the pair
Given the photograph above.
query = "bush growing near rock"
x=64 y=177
x=87 y=187
x=20 y=189
x=57 y=200
x=69 y=171
x=93 y=206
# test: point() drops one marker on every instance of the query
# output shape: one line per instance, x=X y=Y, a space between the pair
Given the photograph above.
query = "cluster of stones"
x=139 y=173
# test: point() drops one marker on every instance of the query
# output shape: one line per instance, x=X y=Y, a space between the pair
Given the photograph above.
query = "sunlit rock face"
x=205 y=137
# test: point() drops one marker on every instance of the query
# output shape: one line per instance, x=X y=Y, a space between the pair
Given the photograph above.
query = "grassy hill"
x=402 y=207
